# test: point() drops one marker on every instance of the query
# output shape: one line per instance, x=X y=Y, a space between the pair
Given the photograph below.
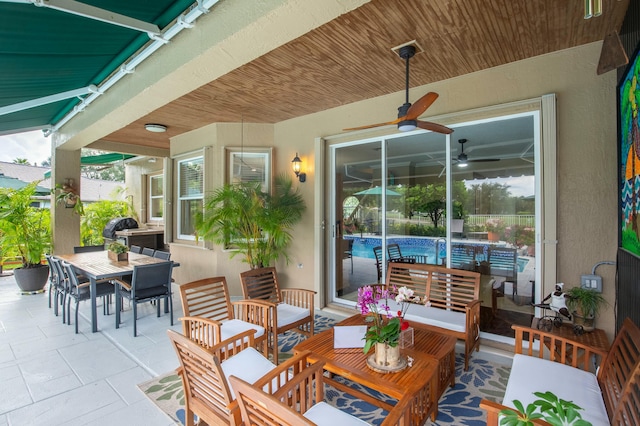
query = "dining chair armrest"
x=298 y=297
x=123 y=284
x=205 y=332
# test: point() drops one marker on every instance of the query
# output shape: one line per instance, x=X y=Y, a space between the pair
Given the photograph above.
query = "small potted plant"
x=67 y=195
x=117 y=252
x=585 y=304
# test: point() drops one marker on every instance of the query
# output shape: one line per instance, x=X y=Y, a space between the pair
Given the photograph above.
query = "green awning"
x=94 y=160
x=48 y=52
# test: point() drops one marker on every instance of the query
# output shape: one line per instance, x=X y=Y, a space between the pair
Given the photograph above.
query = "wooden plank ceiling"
x=349 y=58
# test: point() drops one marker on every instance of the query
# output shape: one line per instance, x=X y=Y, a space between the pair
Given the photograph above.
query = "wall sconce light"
x=296 y=168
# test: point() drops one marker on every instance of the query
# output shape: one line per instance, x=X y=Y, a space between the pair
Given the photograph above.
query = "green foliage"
x=117 y=247
x=96 y=216
x=586 y=301
x=548 y=407
x=255 y=223
x=384 y=332
x=24 y=227
x=67 y=196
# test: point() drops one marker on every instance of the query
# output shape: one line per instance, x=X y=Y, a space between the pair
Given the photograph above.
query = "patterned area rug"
x=458 y=406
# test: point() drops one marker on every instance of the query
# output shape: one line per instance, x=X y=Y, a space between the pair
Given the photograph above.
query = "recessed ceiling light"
x=155 y=128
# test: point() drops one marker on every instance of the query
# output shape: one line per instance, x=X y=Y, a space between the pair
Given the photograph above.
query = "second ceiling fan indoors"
x=463 y=159
x=408 y=113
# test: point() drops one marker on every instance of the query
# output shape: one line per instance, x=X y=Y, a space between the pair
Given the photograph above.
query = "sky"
x=30 y=145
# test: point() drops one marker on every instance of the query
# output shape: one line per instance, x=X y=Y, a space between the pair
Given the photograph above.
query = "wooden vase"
x=387 y=356
x=118 y=257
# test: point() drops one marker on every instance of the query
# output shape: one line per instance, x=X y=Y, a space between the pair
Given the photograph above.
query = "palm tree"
x=21 y=161
x=257 y=224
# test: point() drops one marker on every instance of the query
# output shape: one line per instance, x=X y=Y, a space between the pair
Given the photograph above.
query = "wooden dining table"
x=97 y=266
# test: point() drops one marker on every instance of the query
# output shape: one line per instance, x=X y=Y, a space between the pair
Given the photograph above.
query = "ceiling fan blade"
x=438 y=128
x=483 y=160
x=421 y=106
x=370 y=126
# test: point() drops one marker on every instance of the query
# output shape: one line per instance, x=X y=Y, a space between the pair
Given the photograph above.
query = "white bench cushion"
x=324 y=414
x=235 y=326
x=288 y=314
x=248 y=365
x=530 y=374
x=443 y=318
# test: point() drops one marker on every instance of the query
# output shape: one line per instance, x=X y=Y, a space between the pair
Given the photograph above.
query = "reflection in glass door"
x=392 y=202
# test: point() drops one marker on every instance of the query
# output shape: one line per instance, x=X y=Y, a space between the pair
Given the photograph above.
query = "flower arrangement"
x=386 y=322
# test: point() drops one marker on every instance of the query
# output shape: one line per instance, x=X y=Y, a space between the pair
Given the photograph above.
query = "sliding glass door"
x=467 y=201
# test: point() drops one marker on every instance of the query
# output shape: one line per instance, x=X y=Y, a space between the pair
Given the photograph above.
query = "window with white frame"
x=156 y=197
x=190 y=195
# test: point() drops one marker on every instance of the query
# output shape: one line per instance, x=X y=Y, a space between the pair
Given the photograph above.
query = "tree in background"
x=21 y=161
x=97 y=215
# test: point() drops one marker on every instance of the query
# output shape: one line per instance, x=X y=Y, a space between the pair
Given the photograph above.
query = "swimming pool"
x=415 y=246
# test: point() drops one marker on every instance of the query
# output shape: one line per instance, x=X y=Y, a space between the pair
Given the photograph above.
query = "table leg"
x=94 y=315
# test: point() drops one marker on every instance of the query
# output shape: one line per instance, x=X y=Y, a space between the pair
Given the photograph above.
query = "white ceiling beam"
x=92 y=12
x=21 y=106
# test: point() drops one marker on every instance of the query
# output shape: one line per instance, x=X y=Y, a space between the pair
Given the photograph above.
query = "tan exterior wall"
x=586 y=151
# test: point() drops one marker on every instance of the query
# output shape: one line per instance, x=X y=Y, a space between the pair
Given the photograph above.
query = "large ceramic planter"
x=31 y=279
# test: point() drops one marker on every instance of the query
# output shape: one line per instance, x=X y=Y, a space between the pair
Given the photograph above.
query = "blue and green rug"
x=458 y=406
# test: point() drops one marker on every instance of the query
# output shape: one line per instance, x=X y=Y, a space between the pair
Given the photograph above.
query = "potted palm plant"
x=585 y=304
x=26 y=228
x=251 y=222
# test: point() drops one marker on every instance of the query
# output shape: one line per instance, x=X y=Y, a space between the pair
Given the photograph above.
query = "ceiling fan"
x=408 y=113
x=463 y=159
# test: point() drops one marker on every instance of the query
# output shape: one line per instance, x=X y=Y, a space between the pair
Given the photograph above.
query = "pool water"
x=363 y=247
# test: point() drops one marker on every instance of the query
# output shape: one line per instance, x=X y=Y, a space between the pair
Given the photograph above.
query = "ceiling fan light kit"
x=408 y=113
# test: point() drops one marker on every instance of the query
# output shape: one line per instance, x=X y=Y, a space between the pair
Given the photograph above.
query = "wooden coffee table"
x=421 y=382
x=438 y=346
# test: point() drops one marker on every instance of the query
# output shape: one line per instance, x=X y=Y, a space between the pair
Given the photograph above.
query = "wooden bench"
x=562 y=366
x=453 y=296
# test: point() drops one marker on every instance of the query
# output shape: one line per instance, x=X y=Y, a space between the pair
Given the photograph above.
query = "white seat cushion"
x=530 y=374
x=324 y=414
x=443 y=318
x=288 y=314
x=248 y=365
x=235 y=326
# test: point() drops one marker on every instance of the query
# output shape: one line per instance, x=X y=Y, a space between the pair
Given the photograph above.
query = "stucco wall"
x=586 y=120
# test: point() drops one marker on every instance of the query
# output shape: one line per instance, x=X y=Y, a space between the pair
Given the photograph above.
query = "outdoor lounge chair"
x=291 y=309
x=209 y=299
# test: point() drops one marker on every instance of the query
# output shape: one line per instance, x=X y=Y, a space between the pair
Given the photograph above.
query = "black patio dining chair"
x=135 y=249
x=148 y=251
x=74 y=289
x=56 y=284
x=148 y=283
x=164 y=255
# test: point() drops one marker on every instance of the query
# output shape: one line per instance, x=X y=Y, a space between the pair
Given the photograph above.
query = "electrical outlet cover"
x=592 y=282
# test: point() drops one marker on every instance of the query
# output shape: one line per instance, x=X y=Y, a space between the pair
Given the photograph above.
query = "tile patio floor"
x=51 y=376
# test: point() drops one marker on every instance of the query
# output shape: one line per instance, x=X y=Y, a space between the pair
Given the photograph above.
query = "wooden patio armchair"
x=292 y=309
x=205 y=372
x=293 y=394
x=209 y=299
